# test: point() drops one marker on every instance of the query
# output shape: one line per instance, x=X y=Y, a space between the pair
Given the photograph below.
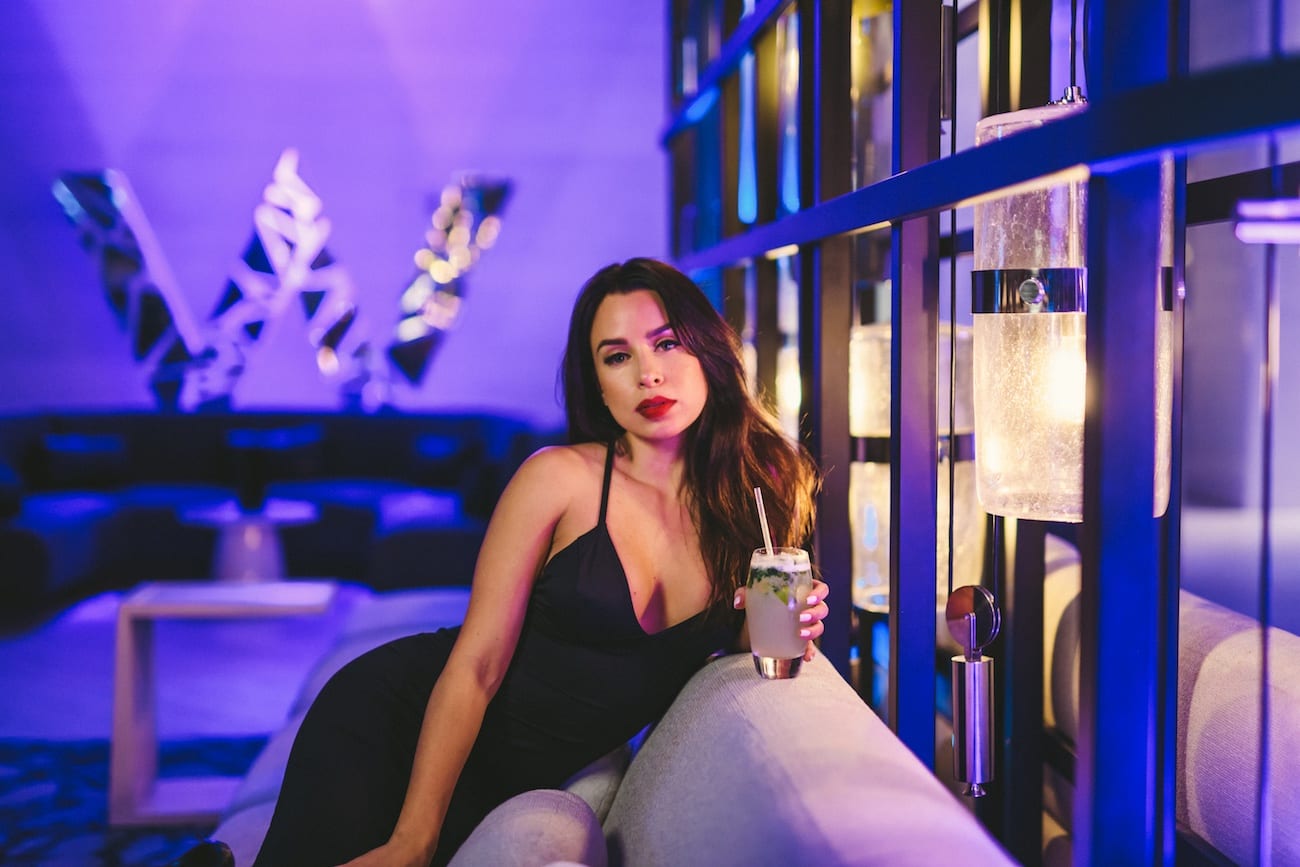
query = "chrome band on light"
x=1030 y=290
x=876 y=450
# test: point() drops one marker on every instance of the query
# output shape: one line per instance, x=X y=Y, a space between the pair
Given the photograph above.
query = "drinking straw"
x=762 y=519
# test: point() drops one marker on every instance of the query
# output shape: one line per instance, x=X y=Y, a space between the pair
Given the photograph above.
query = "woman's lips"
x=655 y=408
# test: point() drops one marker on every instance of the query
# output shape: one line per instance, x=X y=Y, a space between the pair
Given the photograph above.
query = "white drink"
x=778 y=585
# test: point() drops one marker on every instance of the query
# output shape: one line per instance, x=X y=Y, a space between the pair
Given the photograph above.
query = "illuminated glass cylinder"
x=1165 y=340
x=869 y=473
x=1030 y=367
x=871 y=92
x=789 y=380
x=787 y=170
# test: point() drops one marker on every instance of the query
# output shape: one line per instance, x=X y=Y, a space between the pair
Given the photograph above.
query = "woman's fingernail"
x=805 y=617
x=812 y=600
x=805 y=633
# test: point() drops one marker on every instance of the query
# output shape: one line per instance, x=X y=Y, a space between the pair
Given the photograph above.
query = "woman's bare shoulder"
x=562 y=467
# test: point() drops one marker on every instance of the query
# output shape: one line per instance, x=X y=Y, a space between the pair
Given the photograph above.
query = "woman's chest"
x=667 y=580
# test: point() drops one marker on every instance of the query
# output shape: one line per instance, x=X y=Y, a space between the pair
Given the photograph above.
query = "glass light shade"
x=869 y=523
x=1030 y=380
x=789 y=380
x=1164 y=408
x=869 y=481
x=1030 y=362
x=1042 y=227
x=789 y=390
x=1030 y=374
x=869 y=386
x=787 y=52
x=871 y=92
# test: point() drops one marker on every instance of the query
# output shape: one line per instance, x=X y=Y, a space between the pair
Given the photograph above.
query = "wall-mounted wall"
x=386 y=100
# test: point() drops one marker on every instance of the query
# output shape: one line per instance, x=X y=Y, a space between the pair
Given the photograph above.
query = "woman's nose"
x=651 y=376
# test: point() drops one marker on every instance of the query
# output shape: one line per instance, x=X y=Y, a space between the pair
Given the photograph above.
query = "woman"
x=601 y=586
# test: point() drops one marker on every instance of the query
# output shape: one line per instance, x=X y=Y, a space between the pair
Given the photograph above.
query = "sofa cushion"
x=423 y=556
x=784 y=772
x=82 y=461
x=406 y=612
x=11 y=493
x=534 y=829
x=66 y=523
x=1219 y=726
x=1061 y=571
x=598 y=783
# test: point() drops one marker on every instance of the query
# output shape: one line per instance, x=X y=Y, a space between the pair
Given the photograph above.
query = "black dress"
x=585 y=678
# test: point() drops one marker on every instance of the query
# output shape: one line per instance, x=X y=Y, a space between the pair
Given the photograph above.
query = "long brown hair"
x=734 y=446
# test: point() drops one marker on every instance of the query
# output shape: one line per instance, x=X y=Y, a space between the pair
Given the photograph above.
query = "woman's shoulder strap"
x=604 y=485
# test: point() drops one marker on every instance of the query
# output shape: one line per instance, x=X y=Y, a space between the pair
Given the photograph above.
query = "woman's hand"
x=393 y=854
x=810 y=618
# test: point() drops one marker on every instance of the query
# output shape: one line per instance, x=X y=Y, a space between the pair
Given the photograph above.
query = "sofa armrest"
x=746 y=771
x=1219 y=654
x=1218 y=720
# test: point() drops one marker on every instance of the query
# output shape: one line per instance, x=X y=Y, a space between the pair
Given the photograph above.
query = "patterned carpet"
x=53 y=801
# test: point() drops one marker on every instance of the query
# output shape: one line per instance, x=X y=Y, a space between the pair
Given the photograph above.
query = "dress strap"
x=604 y=486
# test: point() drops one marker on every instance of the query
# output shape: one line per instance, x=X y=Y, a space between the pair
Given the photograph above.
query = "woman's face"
x=653 y=386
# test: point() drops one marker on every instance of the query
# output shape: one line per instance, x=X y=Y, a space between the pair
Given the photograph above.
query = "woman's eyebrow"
x=622 y=341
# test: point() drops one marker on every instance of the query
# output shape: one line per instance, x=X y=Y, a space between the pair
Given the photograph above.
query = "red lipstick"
x=655 y=408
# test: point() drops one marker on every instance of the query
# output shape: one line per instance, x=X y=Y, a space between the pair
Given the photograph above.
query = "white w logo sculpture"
x=286 y=259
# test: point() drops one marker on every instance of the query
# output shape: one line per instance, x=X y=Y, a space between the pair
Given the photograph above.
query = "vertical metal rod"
x=826 y=373
x=1022 y=758
x=1171 y=543
x=914 y=314
x=951 y=505
x=1122 y=730
x=1171 y=524
x=1272 y=323
x=826 y=308
x=1263 y=793
x=1272 y=329
x=1074 y=53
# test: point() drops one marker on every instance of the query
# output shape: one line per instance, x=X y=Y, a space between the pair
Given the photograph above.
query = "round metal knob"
x=1033 y=292
x=973 y=618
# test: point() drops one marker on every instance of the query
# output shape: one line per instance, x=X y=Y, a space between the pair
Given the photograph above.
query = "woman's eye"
x=616 y=358
x=668 y=343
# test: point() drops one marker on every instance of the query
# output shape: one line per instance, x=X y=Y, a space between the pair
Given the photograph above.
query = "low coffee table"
x=135 y=794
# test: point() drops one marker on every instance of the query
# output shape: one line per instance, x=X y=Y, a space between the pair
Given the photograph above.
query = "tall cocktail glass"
x=778 y=584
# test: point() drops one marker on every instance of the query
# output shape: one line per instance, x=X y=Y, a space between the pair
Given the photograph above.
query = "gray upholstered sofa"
x=739 y=772
x=1218 y=718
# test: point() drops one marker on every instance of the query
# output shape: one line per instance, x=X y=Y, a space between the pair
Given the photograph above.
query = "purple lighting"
x=1269 y=221
x=194 y=101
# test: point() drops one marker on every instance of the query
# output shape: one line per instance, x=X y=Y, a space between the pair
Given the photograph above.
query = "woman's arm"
x=514 y=550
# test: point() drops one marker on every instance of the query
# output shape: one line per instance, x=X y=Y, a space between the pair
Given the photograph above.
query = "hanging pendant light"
x=1029 y=305
x=1030 y=302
